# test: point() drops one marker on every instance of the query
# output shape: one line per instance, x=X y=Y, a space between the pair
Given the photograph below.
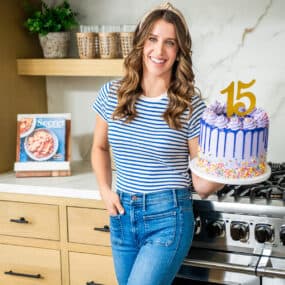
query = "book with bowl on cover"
x=42 y=143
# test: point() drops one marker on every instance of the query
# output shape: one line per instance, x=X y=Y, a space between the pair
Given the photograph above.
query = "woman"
x=151 y=120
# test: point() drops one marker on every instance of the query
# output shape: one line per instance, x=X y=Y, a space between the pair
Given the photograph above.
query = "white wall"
x=232 y=40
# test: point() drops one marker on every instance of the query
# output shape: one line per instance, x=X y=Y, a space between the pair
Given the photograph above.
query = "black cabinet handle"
x=93 y=283
x=22 y=220
x=106 y=229
x=36 y=276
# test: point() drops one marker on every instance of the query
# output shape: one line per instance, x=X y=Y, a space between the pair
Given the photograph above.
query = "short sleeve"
x=101 y=103
x=194 y=122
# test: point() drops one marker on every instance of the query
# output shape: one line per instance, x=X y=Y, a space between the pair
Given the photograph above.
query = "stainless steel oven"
x=239 y=235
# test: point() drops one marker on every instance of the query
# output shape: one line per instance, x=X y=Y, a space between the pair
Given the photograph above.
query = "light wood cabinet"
x=17 y=95
x=54 y=241
x=29 y=266
x=89 y=226
x=87 y=268
x=29 y=220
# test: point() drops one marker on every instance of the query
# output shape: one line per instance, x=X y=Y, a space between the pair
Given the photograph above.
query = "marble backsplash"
x=232 y=41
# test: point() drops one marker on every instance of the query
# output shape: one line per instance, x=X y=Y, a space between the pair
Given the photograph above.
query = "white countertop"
x=81 y=184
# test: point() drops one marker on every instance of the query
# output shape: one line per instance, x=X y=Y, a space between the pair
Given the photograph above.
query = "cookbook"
x=42 y=141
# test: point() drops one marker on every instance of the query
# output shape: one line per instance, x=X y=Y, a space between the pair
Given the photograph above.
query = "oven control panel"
x=245 y=233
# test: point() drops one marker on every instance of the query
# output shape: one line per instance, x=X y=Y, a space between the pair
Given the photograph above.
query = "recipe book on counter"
x=43 y=145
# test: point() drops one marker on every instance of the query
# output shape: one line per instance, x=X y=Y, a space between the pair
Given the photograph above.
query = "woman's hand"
x=202 y=186
x=112 y=202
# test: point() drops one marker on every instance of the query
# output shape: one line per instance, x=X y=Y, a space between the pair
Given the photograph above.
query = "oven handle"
x=220 y=265
x=270 y=272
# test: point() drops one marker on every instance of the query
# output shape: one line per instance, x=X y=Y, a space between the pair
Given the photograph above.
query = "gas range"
x=240 y=234
x=269 y=192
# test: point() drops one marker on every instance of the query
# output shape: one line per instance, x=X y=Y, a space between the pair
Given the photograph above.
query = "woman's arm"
x=101 y=163
x=203 y=187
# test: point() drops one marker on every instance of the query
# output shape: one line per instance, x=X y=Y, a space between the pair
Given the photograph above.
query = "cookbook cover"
x=41 y=137
x=43 y=145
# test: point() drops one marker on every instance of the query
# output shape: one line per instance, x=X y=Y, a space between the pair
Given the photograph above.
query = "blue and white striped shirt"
x=149 y=156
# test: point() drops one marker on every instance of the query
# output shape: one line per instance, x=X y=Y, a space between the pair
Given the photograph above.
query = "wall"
x=17 y=94
x=232 y=40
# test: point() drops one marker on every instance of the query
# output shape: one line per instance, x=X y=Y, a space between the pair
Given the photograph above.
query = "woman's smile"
x=157 y=60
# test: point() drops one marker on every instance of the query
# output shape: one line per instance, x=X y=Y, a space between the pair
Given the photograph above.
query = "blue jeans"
x=151 y=239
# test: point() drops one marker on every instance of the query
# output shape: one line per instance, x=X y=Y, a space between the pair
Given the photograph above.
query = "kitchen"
x=232 y=41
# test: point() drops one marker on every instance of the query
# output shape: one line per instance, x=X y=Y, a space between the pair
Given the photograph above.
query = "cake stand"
x=224 y=180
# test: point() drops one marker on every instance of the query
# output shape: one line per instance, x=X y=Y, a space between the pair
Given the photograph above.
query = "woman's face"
x=160 y=50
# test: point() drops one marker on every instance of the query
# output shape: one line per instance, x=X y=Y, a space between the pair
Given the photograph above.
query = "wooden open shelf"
x=70 y=67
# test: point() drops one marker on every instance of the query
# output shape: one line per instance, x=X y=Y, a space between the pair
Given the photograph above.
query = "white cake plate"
x=234 y=181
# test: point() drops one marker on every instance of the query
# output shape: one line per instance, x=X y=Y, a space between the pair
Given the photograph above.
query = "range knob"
x=198 y=225
x=263 y=233
x=282 y=234
x=216 y=228
x=239 y=231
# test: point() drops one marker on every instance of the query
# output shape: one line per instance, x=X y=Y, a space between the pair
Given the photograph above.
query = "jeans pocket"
x=186 y=205
x=161 y=228
x=116 y=230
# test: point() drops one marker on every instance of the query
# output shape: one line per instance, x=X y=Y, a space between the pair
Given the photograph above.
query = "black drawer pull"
x=36 y=276
x=93 y=283
x=22 y=220
x=106 y=229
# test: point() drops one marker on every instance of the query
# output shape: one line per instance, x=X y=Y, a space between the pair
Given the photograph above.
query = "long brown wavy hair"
x=181 y=88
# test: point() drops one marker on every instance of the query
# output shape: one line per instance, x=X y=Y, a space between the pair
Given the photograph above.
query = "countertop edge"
x=50 y=191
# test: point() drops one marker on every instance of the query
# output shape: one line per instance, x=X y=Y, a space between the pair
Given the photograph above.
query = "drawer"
x=29 y=220
x=29 y=266
x=85 y=267
x=86 y=225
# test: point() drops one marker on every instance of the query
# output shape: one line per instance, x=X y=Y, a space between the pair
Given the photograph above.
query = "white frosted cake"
x=233 y=147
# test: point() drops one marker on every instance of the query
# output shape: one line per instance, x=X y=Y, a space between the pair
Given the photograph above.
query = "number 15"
x=237 y=107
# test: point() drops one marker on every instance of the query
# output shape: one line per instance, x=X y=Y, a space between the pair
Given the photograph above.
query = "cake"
x=233 y=147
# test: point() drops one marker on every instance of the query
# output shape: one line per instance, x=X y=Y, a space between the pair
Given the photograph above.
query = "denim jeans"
x=151 y=239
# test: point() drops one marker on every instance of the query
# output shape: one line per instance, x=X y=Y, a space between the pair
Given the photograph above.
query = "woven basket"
x=88 y=45
x=126 y=41
x=108 y=43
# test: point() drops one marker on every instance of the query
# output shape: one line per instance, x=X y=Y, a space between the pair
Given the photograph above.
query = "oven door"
x=219 y=267
x=272 y=270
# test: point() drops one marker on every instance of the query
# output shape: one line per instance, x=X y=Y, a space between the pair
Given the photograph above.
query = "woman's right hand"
x=112 y=202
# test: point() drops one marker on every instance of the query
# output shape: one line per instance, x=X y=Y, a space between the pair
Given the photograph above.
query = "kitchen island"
x=54 y=230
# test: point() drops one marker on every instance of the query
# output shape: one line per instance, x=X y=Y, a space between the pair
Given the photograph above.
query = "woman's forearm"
x=204 y=187
x=101 y=164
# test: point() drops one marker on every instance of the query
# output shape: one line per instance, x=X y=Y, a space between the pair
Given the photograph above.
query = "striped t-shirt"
x=149 y=156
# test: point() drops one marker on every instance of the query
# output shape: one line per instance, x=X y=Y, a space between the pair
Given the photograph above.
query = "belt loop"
x=121 y=195
x=174 y=193
x=144 y=201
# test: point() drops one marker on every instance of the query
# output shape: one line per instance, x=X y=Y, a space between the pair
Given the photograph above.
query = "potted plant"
x=53 y=25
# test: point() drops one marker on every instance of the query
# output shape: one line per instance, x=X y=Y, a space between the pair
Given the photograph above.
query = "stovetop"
x=270 y=192
x=244 y=218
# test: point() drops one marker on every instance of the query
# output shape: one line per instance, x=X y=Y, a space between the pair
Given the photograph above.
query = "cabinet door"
x=29 y=220
x=85 y=268
x=86 y=225
x=29 y=266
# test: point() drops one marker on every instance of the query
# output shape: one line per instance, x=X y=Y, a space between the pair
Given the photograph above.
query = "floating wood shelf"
x=70 y=67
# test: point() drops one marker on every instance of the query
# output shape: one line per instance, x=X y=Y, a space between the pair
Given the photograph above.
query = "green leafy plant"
x=59 y=18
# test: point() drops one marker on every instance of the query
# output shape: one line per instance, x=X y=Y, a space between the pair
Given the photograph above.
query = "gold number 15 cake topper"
x=239 y=106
